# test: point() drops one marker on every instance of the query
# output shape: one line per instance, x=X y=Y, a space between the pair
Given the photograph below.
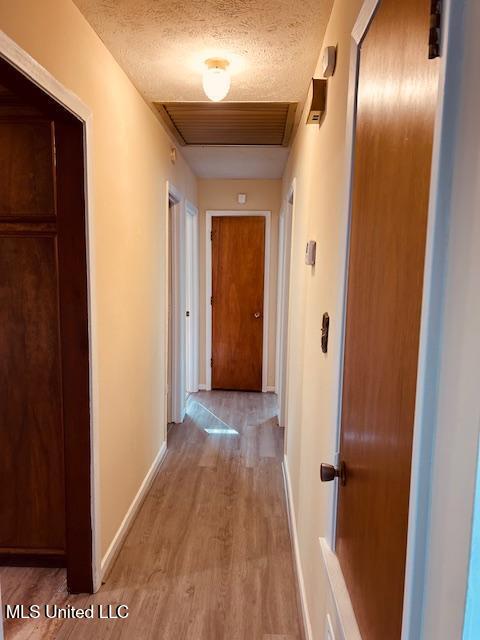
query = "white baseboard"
x=343 y=605
x=203 y=387
x=119 y=538
x=296 y=550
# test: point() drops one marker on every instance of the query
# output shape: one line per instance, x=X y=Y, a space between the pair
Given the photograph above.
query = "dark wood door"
x=45 y=498
x=238 y=257
x=397 y=93
x=32 y=486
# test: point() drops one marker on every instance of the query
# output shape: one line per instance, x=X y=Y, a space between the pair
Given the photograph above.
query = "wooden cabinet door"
x=238 y=257
x=397 y=91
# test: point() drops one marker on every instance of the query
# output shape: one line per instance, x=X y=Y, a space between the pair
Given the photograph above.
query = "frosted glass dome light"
x=216 y=79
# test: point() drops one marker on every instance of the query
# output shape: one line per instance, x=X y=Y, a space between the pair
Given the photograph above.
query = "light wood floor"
x=209 y=555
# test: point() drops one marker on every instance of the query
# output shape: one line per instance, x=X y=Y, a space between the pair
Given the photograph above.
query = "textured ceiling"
x=272 y=46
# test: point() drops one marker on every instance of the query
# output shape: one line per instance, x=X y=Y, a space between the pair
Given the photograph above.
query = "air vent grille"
x=229 y=123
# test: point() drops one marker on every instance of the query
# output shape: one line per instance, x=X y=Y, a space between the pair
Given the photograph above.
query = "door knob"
x=257 y=314
x=328 y=473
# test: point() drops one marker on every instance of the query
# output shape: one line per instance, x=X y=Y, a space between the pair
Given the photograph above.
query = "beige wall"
x=130 y=160
x=317 y=162
x=262 y=195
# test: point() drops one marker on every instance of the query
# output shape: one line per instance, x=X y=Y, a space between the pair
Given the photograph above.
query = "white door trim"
x=447 y=412
x=419 y=535
x=193 y=288
x=177 y=343
x=208 y=290
x=283 y=305
x=21 y=60
x=280 y=299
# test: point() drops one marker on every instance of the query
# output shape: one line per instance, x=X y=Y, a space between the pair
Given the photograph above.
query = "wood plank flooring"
x=209 y=555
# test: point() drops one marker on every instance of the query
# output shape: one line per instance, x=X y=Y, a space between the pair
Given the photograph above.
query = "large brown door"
x=238 y=254
x=31 y=456
x=393 y=147
x=44 y=361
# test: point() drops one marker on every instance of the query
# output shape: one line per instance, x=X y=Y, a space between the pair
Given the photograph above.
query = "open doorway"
x=45 y=452
x=176 y=309
x=183 y=313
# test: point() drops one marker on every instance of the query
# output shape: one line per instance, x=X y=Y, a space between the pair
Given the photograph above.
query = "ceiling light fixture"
x=216 y=79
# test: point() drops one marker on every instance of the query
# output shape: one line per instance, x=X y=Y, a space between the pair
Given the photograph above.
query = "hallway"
x=209 y=555
x=239 y=310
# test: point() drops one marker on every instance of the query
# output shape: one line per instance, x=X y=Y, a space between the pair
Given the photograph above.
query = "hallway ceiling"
x=244 y=163
x=272 y=45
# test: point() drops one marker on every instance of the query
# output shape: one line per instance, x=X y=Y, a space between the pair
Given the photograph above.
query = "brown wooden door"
x=31 y=458
x=238 y=255
x=45 y=500
x=393 y=147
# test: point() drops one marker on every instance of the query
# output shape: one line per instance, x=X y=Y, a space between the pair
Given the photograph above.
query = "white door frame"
x=208 y=289
x=448 y=402
x=280 y=300
x=283 y=298
x=29 y=67
x=192 y=297
x=424 y=539
x=177 y=281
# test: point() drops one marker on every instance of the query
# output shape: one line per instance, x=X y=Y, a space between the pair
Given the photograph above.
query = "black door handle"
x=328 y=473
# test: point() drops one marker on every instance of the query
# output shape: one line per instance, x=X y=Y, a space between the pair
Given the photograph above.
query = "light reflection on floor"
x=223 y=429
x=221 y=432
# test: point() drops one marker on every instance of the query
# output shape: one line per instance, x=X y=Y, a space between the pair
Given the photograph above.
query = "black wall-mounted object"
x=319 y=101
x=435 y=29
x=325 y=327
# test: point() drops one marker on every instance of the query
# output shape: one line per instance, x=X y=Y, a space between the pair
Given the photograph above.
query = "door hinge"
x=211 y=300
x=211 y=362
x=211 y=235
x=434 y=35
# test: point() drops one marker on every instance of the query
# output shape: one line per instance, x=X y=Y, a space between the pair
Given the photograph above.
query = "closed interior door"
x=397 y=91
x=238 y=263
